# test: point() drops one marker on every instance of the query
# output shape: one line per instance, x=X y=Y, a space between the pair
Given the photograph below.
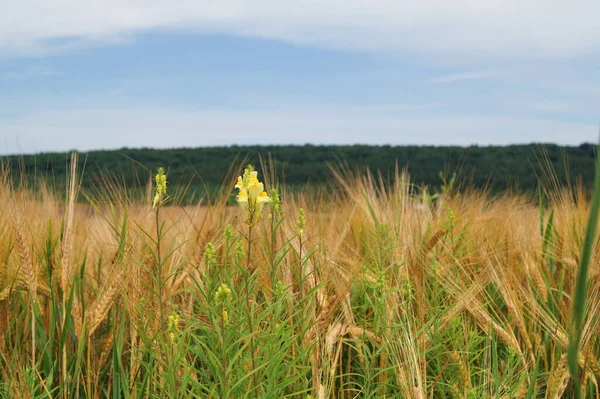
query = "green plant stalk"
x=301 y=266
x=272 y=253
x=224 y=355
x=158 y=272
x=249 y=310
x=581 y=285
x=88 y=377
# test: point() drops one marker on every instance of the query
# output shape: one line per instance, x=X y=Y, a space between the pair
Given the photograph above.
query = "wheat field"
x=369 y=290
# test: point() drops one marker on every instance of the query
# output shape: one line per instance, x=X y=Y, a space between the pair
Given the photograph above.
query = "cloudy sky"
x=147 y=73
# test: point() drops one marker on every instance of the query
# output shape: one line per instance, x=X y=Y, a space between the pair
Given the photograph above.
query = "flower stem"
x=224 y=355
x=273 y=270
x=158 y=270
x=249 y=310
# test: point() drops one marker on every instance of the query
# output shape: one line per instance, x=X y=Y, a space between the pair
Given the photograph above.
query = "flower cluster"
x=161 y=188
x=275 y=201
x=210 y=256
x=228 y=233
x=223 y=294
x=301 y=224
x=222 y=297
x=251 y=196
x=173 y=326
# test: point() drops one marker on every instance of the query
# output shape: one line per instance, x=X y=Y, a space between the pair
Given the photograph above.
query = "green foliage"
x=200 y=171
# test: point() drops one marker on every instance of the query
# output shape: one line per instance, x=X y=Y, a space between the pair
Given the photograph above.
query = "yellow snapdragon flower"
x=161 y=188
x=252 y=196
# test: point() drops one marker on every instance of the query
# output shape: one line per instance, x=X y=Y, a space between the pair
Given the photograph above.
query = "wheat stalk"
x=103 y=303
x=31 y=281
x=65 y=270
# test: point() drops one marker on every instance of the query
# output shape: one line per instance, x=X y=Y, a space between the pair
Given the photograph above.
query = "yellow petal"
x=240 y=183
x=263 y=198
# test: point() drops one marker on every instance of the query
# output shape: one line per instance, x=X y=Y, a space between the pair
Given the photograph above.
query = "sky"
x=186 y=73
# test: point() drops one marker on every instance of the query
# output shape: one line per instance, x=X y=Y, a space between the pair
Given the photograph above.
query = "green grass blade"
x=581 y=285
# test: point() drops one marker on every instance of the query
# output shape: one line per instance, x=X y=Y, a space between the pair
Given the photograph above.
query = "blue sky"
x=193 y=73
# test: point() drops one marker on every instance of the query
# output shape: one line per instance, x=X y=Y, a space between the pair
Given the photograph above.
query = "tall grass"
x=373 y=290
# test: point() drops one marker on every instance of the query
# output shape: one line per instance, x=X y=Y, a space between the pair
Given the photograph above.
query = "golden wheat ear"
x=104 y=302
x=27 y=267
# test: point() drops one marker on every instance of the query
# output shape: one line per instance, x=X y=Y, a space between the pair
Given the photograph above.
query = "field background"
x=368 y=286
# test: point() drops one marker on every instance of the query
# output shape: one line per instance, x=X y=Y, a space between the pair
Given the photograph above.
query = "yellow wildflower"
x=223 y=294
x=275 y=201
x=161 y=188
x=173 y=326
x=251 y=196
x=239 y=251
x=210 y=256
x=242 y=199
x=301 y=222
x=222 y=298
x=174 y=322
x=228 y=232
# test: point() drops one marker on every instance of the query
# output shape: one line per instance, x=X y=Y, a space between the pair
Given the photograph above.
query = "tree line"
x=198 y=170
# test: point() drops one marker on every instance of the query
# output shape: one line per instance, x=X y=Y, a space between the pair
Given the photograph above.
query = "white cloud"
x=64 y=129
x=460 y=77
x=491 y=28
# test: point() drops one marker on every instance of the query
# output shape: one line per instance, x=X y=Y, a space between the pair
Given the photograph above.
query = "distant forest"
x=194 y=170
